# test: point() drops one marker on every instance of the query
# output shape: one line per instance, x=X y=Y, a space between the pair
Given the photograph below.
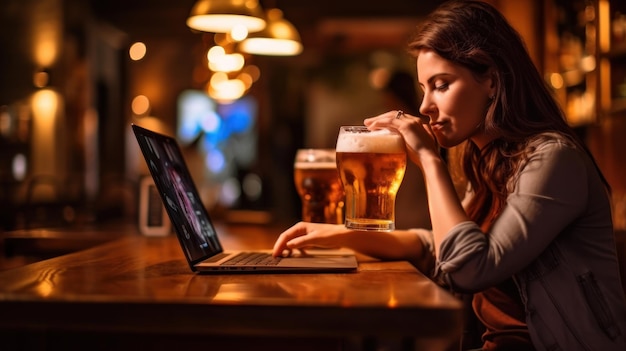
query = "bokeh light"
x=140 y=105
x=137 y=51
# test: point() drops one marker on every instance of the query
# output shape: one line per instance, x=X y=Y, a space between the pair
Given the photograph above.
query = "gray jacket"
x=555 y=238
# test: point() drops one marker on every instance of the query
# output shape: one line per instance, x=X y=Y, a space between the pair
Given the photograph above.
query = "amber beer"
x=371 y=166
x=319 y=186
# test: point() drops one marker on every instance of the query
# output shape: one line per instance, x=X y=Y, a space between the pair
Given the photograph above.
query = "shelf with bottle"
x=612 y=57
x=571 y=61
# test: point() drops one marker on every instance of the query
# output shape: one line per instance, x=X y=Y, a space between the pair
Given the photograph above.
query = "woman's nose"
x=426 y=107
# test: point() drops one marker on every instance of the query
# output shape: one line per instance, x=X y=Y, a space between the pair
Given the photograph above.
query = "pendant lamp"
x=220 y=16
x=279 y=38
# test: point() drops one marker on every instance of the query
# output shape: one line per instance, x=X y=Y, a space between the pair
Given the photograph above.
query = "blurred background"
x=74 y=74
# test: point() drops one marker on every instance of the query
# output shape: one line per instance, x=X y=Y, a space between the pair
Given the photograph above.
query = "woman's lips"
x=437 y=126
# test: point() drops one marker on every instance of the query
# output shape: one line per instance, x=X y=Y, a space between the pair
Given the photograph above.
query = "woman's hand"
x=418 y=136
x=305 y=235
x=445 y=208
x=414 y=245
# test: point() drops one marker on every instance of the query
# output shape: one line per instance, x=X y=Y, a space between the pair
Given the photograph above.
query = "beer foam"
x=314 y=165
x=379 y=141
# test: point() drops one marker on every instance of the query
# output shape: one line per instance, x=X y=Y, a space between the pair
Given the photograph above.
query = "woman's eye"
x=442 y=86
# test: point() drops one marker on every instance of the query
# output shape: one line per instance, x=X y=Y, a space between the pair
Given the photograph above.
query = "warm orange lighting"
x=137 y=51
x=140 y=105
x=588 y=63
x=379 y=77
x=556 y=80
x=44 y=104
x=604 y=24
x=222 y=39
x=279 y=38
x=45 y=50
x=218 y=78
x=220 y=61
x=227 y=90
x=246 y=79
x=220 y=16
x=46 y=31
x=572 y=77
x=215 y=53
x=227 y=63
x=45 y=287
x=6 y=122
x=45 y=107
x=253 y=71
x=41 y=79
x=239 y=33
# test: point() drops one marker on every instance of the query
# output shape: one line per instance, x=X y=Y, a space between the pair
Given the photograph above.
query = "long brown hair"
x=475 y=35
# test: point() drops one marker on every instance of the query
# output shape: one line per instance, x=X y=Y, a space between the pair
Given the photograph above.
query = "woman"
x=533 y=237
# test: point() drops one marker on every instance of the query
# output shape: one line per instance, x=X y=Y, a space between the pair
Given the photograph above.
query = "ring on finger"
x=399 y=114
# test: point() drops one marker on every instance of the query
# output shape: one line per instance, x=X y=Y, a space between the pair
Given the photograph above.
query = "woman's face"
x=454 y=99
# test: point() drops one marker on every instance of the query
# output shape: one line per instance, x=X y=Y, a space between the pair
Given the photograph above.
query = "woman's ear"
x=490 y=84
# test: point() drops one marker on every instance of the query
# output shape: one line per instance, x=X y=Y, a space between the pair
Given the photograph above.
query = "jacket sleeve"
x=549 y=194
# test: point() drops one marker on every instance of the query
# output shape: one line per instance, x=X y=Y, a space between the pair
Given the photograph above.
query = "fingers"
x=399 y=121
x=306 y=235
x=395 y=119
x=281 y=243
x=384 y=119
x=415 y=130
x=289 y=252
x=295 y=237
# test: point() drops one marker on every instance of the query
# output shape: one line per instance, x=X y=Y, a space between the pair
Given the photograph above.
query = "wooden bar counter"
x=136 y=292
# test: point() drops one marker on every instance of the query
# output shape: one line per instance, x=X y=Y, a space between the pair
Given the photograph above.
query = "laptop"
x=195 y=231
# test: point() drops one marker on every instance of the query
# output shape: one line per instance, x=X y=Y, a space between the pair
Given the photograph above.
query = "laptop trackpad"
x=308 y=260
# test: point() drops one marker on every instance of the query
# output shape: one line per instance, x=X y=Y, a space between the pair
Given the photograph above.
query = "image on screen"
x=180 y=197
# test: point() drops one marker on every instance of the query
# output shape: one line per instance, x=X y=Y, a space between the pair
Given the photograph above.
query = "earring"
x=491 y=97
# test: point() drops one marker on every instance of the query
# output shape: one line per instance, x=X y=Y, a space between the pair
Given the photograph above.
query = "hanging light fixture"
x=279 y=38
x=220 y=16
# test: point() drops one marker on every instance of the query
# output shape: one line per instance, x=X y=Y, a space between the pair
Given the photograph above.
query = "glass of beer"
x=371 y=165
x=319 y=186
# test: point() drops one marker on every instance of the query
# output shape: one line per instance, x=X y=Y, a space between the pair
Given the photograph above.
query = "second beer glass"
x=319 y=187
x=371 y=166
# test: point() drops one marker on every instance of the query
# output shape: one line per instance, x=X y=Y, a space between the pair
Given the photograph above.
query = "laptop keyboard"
x=252 y=258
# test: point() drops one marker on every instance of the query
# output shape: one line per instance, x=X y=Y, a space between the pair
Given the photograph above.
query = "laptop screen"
x=179 y=194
